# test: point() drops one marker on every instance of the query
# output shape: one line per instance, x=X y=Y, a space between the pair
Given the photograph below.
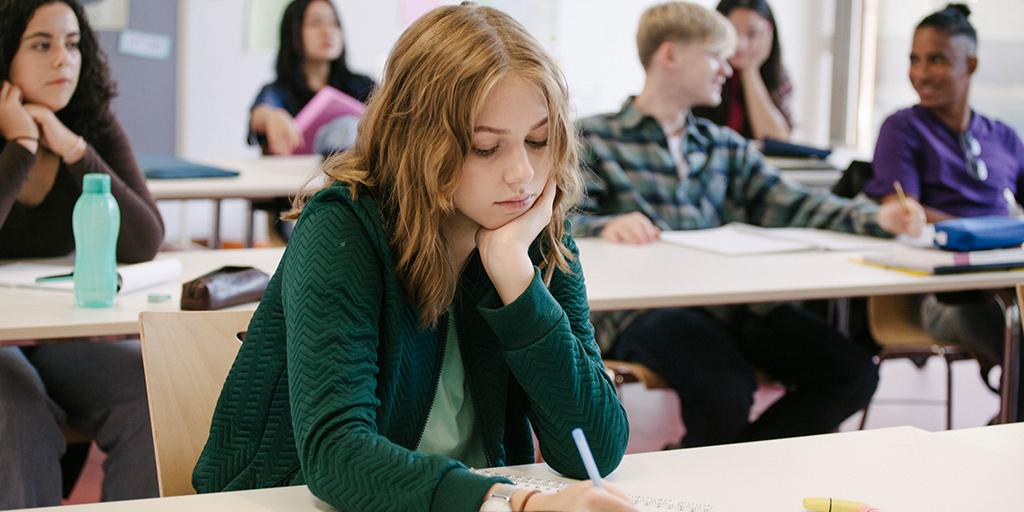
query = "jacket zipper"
x=476 y=407
x=437 y=380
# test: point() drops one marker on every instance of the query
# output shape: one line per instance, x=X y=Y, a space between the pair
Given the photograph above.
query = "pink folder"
x=327 y=105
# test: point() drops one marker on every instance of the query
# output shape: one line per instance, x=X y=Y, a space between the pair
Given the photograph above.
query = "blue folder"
x=774 y=147
x=167 y=167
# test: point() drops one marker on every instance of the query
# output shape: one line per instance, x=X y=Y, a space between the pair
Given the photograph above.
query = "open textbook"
x=644 y=503
x=59 y=277
x=737 y=239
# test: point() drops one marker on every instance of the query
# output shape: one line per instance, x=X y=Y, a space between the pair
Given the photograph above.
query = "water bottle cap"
x=96 y=183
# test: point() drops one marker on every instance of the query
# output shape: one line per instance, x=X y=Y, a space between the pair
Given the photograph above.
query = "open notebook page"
x=644 y=503
x=734 y=240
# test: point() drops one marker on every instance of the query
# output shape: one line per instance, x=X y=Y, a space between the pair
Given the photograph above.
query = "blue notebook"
x=167 y=167
x=774 y=147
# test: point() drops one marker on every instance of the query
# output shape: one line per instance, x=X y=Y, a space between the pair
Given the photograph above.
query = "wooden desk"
x=618 y=277
x=665 y=275
x=809 y=172
x=898 y=469
x=43 y=314
x=259 y=178
x=822 y=179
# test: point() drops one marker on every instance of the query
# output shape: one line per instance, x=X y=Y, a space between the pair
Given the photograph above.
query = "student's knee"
x=30 y=421
x=718 y=411
x=859 y=389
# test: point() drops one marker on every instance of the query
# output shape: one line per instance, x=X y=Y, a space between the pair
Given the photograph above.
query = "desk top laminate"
x=900 y=469
x=259 y=178
x=45 y=314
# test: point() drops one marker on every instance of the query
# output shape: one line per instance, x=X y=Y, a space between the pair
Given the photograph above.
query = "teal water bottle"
x=96 y=222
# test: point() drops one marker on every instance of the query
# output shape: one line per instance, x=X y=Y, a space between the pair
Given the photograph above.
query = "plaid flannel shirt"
x=629 y=168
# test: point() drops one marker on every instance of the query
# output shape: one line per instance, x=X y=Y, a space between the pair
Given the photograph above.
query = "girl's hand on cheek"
x=503 y=251
x=520 y=232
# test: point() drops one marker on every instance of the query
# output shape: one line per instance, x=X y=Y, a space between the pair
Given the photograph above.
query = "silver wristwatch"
x=500 y=499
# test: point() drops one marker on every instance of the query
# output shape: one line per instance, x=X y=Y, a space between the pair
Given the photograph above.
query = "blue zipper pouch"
x=979 y=233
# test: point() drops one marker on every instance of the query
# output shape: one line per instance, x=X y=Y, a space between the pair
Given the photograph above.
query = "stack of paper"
x=59 y=277
x=736 y=239
x=934 y=261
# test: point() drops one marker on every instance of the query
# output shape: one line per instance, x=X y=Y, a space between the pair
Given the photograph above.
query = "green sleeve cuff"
x=527 y=319
x=462 y=489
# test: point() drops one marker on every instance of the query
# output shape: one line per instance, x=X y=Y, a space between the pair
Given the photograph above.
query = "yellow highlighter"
x=831 y=505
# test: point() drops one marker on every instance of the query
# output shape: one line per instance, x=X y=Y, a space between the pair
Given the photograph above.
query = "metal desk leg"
x=249 y=235
x=1011 y=364
x=215 y=236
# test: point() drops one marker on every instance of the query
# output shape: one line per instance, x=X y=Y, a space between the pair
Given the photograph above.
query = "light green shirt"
x=451 y=428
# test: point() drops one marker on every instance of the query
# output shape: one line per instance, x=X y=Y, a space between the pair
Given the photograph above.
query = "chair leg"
x=1011 y=363
x=949 y=391
x=864 y=417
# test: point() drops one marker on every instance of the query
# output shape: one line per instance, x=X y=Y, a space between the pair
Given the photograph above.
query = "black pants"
x=711 y=364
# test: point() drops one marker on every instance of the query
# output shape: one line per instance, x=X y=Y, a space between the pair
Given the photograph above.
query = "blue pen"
x=586 y=456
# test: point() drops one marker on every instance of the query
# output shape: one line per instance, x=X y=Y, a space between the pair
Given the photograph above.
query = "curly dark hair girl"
x=88 y=112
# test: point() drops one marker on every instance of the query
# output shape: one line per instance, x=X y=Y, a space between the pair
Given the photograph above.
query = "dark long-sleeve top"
x=334 y=383
x=45 y=230
x=277 y=94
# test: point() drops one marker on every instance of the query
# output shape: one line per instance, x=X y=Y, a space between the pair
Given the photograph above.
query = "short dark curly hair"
x=88 y=111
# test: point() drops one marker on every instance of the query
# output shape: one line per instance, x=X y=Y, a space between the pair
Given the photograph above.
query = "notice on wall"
x=145 y=45
x=107 y=15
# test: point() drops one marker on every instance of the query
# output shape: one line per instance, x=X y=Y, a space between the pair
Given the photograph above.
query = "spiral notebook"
x=645 y=503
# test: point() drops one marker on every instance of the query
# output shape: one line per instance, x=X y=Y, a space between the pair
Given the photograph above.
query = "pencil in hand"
x=902 y=197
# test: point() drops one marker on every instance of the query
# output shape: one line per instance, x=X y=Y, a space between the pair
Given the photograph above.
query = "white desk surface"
x=898 y=470
x=784 y=163
x=618 y=277
x=665 y=275
x=813 y=178
x=1003 y=440
x=259 y=178
x=44 y=314
x=276 y=176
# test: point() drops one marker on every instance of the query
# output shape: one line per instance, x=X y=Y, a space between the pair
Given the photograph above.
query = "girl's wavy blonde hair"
x=417 y=131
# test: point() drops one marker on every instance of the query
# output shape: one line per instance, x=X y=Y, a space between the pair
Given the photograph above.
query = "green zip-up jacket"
x=333 y=385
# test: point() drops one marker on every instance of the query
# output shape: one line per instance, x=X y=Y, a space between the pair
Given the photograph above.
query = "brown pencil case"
x=223 y=288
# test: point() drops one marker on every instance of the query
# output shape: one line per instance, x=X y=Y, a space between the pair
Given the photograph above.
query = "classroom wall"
x=997 y=88
x=146 y=100
x=594 y=40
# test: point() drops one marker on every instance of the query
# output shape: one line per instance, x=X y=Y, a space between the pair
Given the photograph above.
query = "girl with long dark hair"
x=311 y=55
x=55 y=127
x=756 y=98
